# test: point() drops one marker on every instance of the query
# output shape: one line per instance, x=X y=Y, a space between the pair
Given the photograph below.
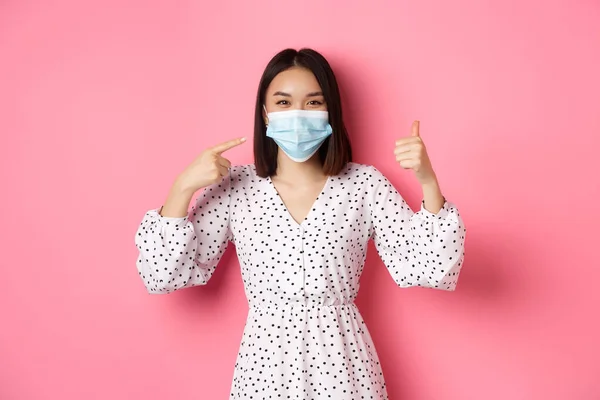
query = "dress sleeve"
x=175 y=253
x=418 y=249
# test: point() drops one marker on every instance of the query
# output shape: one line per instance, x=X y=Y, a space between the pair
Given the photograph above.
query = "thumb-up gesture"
x=411 y=154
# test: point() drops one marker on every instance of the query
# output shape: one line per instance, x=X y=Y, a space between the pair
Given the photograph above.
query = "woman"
x=301 y=218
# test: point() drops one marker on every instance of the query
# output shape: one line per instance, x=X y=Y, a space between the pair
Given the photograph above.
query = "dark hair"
x=336 y=151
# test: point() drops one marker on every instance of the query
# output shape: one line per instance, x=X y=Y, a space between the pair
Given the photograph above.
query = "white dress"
x=304 y=337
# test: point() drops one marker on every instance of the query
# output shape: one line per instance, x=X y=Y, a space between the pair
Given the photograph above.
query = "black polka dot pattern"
x=304 y=337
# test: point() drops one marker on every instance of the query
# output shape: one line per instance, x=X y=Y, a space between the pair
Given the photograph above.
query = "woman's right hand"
x=208 y=168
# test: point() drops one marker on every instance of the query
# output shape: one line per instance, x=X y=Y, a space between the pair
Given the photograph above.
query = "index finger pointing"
x=220 y=148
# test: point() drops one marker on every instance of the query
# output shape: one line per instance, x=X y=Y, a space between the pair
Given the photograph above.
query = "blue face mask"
x=299 y=133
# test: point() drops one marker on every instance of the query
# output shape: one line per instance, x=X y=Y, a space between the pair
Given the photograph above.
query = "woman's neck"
x=299 y=172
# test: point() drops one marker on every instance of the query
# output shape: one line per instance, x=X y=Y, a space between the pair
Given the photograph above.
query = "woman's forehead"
x=294 y=81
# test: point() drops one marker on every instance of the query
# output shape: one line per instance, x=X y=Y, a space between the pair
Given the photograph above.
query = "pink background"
x=103 y=103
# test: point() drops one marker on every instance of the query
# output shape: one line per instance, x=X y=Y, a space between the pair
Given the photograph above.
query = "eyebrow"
x=312 y=94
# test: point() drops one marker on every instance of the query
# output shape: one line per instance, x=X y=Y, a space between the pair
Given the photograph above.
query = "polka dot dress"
x=304 y=337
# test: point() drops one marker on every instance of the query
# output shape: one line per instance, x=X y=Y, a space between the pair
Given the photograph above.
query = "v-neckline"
x=310 y=210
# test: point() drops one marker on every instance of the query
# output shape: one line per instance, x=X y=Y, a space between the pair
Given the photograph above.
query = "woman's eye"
x=315 y=103
x=282 y=102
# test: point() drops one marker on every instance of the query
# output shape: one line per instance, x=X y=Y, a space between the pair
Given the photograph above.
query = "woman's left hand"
x=411 y=154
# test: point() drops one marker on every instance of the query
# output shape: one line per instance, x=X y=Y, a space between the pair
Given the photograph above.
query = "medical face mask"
x=299 y=133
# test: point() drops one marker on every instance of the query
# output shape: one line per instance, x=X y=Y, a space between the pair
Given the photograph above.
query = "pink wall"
x=101 y=105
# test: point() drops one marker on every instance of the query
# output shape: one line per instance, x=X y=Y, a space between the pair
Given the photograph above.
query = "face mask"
x=299 y=133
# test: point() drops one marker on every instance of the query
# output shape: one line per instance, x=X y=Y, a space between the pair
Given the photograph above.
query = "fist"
x=411 y=154
x=208 y=168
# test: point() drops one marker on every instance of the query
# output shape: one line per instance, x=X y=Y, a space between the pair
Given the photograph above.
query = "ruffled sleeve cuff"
x=170 y=222
x=444 y=212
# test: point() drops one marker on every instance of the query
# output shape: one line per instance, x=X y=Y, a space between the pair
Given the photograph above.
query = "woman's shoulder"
x=243 y=169
x=354 y=170
x=245 y=174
